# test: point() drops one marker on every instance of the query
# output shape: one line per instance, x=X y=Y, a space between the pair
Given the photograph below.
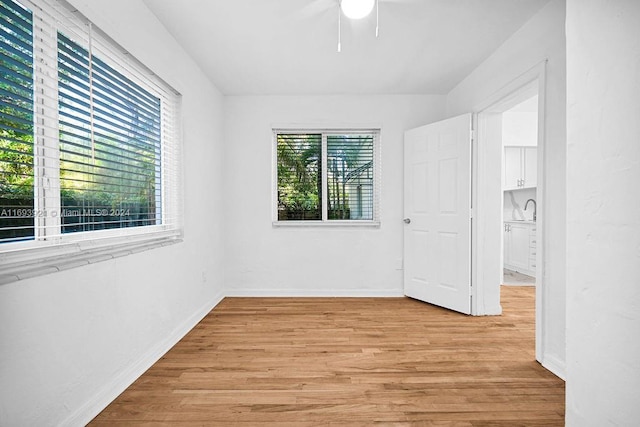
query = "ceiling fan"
x=351 y=9
x=355 y=9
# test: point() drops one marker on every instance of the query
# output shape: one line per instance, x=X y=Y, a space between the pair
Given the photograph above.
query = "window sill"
x=329 y=224
x=33 y=262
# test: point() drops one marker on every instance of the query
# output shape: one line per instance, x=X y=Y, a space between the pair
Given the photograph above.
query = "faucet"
x=535 y=208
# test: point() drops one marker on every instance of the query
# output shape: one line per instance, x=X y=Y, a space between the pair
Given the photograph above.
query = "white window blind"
x=16 y=126
x=90 y=147
x=350 y=171
x=327 y=176
x=110 y=145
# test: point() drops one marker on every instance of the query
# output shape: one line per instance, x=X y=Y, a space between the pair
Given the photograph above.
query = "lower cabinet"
x=520 y=247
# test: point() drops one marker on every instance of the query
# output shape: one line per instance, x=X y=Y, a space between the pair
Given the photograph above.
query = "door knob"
x=407 y=220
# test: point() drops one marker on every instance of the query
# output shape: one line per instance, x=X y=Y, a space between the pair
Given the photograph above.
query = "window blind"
x=16 y=123
x=105 y=137
x=350 y=172
x=109 y=145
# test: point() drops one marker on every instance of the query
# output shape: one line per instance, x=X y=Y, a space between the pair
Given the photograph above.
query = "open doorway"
x=519 y=189
x=508 y=192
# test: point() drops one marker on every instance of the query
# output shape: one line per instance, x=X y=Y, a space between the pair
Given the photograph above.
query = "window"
x=89 y=147
x=109 y=141
x=326 y=176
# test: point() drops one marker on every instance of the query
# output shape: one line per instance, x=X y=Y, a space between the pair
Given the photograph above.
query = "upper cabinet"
x=520 y=167
x=530 y=167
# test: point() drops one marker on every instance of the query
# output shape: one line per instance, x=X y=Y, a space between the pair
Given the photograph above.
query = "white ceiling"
x=287 y=47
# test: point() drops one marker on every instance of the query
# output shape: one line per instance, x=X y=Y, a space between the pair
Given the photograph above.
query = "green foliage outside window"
x=299 y=177
x=349 y=176
x=16 y=122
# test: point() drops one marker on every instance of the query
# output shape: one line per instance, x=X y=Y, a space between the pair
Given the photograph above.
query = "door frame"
x=485 y=290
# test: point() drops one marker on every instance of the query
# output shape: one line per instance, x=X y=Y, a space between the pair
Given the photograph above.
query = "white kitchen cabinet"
x=529 y=167
x=520 y=168
x=512 y=167
x=532 y=251
x=520 y=247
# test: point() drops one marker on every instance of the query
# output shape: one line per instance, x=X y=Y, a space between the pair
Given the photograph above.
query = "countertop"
x=520 y=221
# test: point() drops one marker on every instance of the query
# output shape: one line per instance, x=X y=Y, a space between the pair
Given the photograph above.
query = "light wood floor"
x=348 y=361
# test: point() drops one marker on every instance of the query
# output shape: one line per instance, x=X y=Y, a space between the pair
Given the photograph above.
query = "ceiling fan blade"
x=316 y=8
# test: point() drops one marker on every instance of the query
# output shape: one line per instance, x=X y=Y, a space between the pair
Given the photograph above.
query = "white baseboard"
x=303 y=293
x=114 y=388
x=555 y=365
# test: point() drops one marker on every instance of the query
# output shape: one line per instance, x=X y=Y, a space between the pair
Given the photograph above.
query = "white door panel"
x=437 y=240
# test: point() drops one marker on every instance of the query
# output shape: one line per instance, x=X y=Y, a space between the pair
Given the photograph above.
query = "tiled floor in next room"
x=513 y=278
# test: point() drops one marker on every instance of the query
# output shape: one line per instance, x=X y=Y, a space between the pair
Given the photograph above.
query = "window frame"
x=325 y=131
x=55 y=251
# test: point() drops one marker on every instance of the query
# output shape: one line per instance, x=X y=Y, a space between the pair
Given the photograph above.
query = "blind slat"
x=120 y=102
x=83 y=146
x=104 y=73
x=77 y=114
x=78 y=77
x=16 y=42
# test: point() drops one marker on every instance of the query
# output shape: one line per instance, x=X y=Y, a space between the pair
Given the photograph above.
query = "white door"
x=437 y=204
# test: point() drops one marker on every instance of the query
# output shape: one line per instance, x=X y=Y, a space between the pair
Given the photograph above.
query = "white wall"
x=520 y=128
x=266 y=260
x=603 y=213
x=71 y=341
x=540 y=38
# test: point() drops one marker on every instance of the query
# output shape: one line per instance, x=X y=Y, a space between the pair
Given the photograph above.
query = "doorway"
x=509 y=195
x=519 y=187
x=484 y=213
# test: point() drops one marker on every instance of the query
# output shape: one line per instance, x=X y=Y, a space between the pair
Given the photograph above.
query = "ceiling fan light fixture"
x=356 y=9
